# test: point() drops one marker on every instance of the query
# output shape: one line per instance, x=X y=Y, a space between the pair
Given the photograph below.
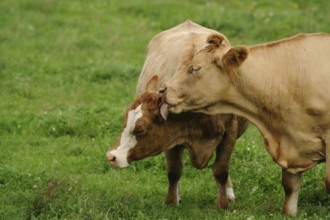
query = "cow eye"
x=194 y=69
x=139 y=131
x=190 y=69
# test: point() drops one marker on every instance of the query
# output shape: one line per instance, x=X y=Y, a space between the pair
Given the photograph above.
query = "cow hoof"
x=223 y=205
x=172 y=201
x=289 y=212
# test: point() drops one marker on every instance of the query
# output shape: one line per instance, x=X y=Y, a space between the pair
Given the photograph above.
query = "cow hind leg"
x=291 y=184
x=174 y=158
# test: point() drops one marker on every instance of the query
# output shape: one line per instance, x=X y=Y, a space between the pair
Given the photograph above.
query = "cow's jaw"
x=178 y=102
x=173 y=105
x=127 y=140
x=176 y=109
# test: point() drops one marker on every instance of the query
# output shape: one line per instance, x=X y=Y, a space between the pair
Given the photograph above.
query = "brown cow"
x=282 y=87
x=146 y=132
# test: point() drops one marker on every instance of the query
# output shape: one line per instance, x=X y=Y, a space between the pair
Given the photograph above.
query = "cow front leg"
x=174 y=158
x=221 y=167
x=225 y=189
x=230 y=190
x=291 y=184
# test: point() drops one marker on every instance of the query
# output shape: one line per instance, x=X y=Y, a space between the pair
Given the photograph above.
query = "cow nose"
x=163 y=89
x=111 y=159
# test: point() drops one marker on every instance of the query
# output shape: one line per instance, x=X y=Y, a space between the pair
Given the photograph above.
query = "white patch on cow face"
x=127 y=139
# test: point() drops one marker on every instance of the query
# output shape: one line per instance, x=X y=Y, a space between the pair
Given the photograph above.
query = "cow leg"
x=291 y=184
x=230 y=190
x=221 y=167
x=327 y=168
x=220 y=172
x=174 y=158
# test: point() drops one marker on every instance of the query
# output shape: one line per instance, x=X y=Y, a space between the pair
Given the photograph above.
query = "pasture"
x=68 y=70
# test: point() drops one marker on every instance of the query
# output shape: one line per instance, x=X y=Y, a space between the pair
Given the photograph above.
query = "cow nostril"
x=163 y=89
x=111 y=158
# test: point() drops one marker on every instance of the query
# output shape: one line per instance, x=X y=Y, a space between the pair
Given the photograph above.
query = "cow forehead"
x=202 y=56
x=127 y=139
x=132 y=116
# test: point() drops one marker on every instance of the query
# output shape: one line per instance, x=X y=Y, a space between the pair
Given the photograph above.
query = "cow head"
x=208 y=78
x=142 y=132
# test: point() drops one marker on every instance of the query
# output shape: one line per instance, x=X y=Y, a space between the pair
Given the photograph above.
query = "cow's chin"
x=180 y=107
x=183 y=107
x=120 y=164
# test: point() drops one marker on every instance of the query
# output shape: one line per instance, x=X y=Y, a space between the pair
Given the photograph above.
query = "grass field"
x=68 y=69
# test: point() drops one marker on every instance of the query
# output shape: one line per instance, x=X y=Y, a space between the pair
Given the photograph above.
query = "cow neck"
x=180 y=128
x=261 y=86
x=252 y=99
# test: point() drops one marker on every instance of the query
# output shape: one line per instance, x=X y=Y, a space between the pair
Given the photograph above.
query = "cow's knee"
x=174 y=176
x=221 y=176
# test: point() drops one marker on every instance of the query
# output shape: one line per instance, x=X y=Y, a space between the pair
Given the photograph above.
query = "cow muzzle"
x=117 y=160
x=172 y=101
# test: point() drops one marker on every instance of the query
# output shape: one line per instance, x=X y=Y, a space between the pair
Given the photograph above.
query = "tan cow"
x=282 y=87
x=145 y=132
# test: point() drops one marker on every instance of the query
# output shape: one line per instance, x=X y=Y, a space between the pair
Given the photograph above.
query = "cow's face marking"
x=118 y=157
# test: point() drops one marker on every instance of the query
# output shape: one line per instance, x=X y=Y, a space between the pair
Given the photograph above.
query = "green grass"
x=68 y=69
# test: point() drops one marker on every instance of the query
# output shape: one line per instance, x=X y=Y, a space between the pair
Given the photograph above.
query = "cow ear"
x=215 y=39
x=235 y=57
x=232 y=60
x=152 y=84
